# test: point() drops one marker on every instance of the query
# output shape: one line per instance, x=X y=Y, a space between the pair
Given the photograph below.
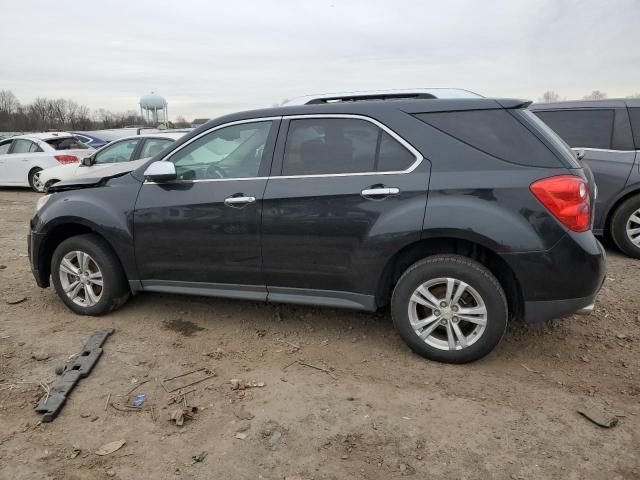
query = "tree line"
x=59 y=114
x=551 y=96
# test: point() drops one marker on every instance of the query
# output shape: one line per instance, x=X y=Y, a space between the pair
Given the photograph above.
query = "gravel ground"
x=371 y=409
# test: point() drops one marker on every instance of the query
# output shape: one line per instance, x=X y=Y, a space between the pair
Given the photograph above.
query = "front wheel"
x=34 y=180
x=449 y=308
x=625 y=227
x=87 y=275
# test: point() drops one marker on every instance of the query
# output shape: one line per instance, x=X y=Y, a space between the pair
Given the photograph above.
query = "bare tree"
x=550 y=96
x=634 y=95
x=181 y=122
x=8 y=101
x=596 y=95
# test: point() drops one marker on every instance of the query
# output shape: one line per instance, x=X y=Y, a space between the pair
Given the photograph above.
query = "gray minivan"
x=608 y=131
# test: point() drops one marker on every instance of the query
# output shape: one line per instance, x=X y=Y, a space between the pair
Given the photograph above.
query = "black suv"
x=608 y=132
x=458 y=213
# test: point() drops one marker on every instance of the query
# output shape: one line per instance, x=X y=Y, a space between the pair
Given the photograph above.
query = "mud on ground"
x=371 y=409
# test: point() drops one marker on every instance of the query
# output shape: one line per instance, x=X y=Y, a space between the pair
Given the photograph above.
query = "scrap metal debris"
x=109 y=448
x=598 y=417
x=199 y=457
x=179 y=415
x=187 y=379
x=53 y=401
x=238 y=384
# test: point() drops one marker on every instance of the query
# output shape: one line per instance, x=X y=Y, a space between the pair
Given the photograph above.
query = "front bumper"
x=34 y=244
x=560 y=281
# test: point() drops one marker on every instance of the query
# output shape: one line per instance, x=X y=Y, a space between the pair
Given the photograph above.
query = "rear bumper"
x=561 y=281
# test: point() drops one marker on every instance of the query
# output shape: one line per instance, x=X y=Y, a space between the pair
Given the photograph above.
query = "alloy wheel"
x=447 y=314
x=633 y=228
x=81 y=278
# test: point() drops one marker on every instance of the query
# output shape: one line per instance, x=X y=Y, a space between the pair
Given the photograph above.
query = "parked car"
x=23 y=157
x=458 y=213
x=123 y=150
x=91 y=139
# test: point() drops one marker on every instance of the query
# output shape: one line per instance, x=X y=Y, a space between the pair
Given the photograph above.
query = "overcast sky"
x=211 y=57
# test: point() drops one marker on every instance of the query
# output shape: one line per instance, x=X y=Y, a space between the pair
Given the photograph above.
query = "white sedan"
x=23 y=157
x=118 y=151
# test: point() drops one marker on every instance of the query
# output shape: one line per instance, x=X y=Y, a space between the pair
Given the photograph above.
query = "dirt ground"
x=375 y=411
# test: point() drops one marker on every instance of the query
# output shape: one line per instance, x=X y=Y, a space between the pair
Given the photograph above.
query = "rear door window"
x=154 y=145
x=634 y=114
x=329 y=146
x=582 y=128
x=21 y=146
x=495 y=132
x=117 y=152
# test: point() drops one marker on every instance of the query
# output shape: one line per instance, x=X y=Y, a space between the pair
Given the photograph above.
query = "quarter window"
x=235 y=151
x=581 y=128
x=117 y=152
x=325 y=146
x=634 y=114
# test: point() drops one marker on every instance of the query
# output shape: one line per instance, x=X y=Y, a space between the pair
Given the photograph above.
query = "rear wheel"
x=34 y=180
x=48 y=184
x=87 y=275
x=449 y=308
x=625 y=227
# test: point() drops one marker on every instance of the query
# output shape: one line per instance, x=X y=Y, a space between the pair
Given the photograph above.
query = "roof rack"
x=424 y=93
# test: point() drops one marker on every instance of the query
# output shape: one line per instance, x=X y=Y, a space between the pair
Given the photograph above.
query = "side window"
x=581 y=128
x=634 y=115
x=154 y=145
x=235 y=151
x=22 y=146
x=325 y=146
x=117 y=152
x=4 y=147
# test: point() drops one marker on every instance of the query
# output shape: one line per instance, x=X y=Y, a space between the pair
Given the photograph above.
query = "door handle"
x=380 y=192
x=238 y=201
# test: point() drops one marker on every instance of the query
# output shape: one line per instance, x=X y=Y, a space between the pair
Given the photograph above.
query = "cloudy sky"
x=213 y=57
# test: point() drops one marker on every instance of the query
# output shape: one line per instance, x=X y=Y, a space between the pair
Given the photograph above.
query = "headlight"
x=42 y=202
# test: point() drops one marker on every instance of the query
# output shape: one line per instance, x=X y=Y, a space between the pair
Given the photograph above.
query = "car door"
x=344 y=194
x=5 y=145
x=201 y=232
x=19 y=161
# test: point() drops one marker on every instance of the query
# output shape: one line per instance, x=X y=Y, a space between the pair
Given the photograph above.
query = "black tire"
x=619 y=221
x=115 y=290
x=32 y=172
x=476 y=276
x=48 y=184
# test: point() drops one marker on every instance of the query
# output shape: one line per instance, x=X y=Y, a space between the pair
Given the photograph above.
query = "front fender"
x=106 y=210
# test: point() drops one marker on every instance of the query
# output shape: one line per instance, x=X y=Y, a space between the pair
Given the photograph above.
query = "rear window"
x=67 y=143
x=581 y=128
x=494 y=132
x=634 y=114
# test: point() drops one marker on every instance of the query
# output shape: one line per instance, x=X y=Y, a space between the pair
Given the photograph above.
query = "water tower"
x=154 y=108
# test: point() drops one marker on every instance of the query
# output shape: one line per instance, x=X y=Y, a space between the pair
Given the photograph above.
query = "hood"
x=98 y=176
x=58 y=172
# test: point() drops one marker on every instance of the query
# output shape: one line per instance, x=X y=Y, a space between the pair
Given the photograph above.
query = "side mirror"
x=161 y=172
x=87 y=161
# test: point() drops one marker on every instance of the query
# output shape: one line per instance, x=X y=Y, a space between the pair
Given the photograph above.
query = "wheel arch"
x=626 y=194
x=58 y=234
x=475 y=250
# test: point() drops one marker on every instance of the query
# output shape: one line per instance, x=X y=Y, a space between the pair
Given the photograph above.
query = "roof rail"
x=424 y=93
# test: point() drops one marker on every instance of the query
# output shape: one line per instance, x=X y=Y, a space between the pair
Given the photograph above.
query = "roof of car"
x=371 y=107
x=573 y=104
x=169 y=135
x=44 y=135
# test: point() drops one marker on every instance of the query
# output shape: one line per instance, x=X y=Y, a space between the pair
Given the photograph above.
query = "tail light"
x=64 y=159
x=567 y=198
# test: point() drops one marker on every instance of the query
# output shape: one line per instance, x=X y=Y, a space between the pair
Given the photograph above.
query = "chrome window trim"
x=418 y=156
x=604 y=149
